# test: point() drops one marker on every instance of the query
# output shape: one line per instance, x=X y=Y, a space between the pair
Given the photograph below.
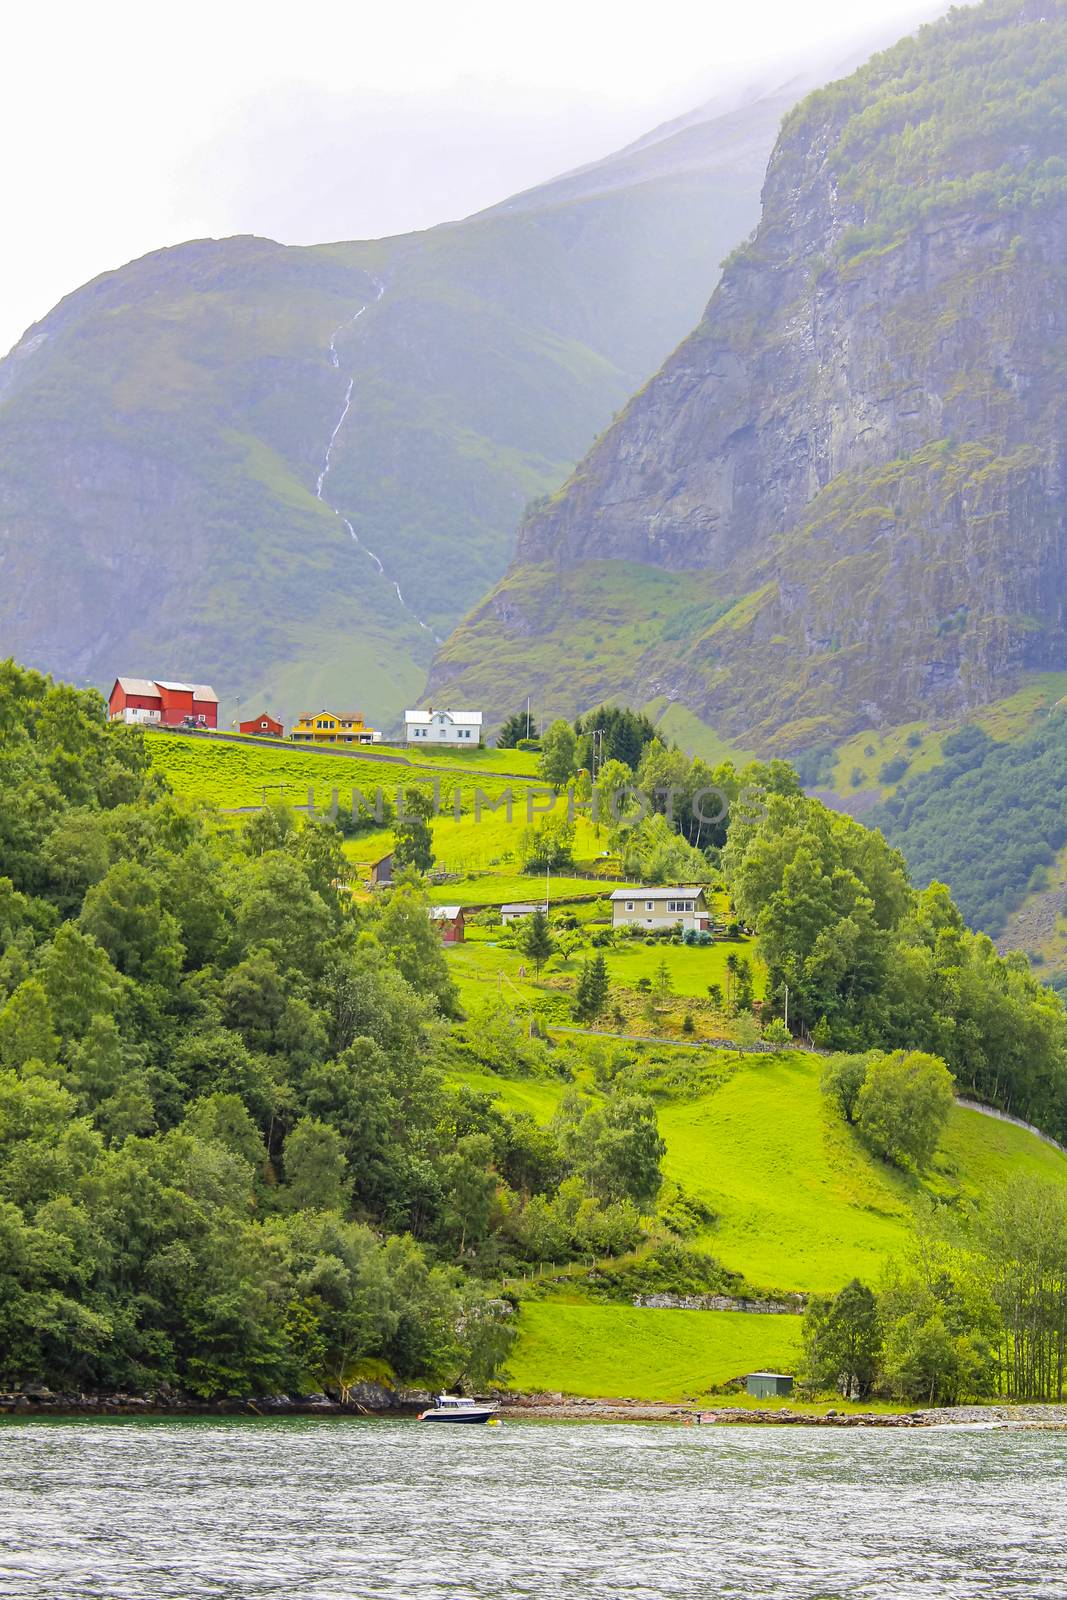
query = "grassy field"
x=626 y=1352
x=503 y=887
x=237 y=774
x=482 y=966
x=675 y=722
x=800 y=1204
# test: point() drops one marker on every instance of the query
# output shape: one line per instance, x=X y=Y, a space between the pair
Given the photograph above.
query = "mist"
x=129 y=128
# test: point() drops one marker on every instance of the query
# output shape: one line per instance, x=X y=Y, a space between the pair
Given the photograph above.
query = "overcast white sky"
x=127 y=126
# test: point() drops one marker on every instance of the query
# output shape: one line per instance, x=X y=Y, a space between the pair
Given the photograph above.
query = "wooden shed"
x=767 y=1385
x=381 y=871
x=449 y=922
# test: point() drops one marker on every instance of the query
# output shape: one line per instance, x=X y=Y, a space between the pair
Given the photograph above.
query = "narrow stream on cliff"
x=335 y=361
x=343 y=1509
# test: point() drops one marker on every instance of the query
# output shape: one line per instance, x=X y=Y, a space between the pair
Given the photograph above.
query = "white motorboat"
x=456 y=1408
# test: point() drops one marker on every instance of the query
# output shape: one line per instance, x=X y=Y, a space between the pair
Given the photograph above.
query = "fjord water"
x=344 y=1510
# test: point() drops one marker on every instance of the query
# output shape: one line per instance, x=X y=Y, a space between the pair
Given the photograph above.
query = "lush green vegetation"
x=237 y=774
x=843 y=1211
x=988 y=819
x=870 y=962
x=258 y=1130
x=229 y=1153
x=960 y=1314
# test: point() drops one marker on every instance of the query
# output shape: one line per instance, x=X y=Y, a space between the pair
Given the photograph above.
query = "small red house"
x=448 y=920
x=162 y=704
x=266 y=725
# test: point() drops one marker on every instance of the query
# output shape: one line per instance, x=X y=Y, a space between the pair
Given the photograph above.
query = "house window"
x=648 y=905
x=629 y=905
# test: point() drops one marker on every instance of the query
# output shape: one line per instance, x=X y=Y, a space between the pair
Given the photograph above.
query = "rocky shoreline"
x=377 y=1400
x=363 y=1399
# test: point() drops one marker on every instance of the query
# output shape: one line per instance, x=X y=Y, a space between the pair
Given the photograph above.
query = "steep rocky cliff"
x=841 y=502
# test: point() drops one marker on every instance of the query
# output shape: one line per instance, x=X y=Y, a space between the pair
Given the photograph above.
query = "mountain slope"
x=840 y=502
x=163 y=430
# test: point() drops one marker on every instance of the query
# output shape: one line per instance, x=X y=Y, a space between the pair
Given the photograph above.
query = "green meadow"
x=241 y=773
x=627 y=1352
x=799 y=1202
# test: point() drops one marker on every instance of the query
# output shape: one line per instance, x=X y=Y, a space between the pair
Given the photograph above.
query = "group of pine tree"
x=232 y=1155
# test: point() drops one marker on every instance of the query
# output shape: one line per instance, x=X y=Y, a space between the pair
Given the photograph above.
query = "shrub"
x=776 y=1032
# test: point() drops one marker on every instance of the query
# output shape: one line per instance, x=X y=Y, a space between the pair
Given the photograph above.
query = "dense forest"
x=869 y=961
x=988 y=819
x=229 y=1155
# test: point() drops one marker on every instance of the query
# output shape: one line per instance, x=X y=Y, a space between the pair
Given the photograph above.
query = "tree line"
x=977 y=1310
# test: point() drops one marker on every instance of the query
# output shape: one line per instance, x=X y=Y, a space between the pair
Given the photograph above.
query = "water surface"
x=329 y=1509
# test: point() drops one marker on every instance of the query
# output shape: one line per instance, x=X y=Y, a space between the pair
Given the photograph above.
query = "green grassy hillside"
x=628 y=1353
x=799 y=1204
x=793 y=1200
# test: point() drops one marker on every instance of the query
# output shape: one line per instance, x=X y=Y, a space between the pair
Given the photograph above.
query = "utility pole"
x=527 y=716
x=786 y=1005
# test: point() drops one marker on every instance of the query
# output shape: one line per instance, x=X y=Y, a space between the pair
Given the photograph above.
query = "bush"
x=776 y=1032
x=893 y=770
x=688 y=1025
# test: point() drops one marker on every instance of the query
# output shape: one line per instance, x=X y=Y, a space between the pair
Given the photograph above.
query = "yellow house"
x=326 y=727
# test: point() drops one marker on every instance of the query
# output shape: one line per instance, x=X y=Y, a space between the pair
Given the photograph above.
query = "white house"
x=517 y=909
x=443 y=727
x=660 y=908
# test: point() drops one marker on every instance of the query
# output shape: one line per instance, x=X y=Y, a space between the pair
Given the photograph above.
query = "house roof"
x=445 y=913
x=338 y=716
x=523 y=907
x=152 y=686
x=463 y=719
x=138 y=686
x=668 y=891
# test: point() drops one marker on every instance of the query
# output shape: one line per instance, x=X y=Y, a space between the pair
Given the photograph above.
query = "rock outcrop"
x=855 y=465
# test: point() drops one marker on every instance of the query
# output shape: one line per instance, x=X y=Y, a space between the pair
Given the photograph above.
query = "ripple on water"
x=343 y=1510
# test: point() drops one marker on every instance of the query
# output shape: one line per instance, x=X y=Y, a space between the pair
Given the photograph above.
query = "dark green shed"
x=765 y=1385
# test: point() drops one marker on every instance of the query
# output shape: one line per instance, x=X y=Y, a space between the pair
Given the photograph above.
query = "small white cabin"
x=519 y=909
x=443 y=727
x=661 y=907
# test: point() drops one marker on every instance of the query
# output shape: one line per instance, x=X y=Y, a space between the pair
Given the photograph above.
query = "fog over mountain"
x=132 y=130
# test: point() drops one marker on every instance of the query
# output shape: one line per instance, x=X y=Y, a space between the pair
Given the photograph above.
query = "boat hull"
x=457 y=1416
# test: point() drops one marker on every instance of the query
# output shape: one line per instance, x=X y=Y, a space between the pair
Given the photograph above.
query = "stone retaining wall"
x=793 y=1304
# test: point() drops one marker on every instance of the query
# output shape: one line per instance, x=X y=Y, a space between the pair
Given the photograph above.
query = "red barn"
x=266 y=725
x=163 y=705
x=449 y=922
